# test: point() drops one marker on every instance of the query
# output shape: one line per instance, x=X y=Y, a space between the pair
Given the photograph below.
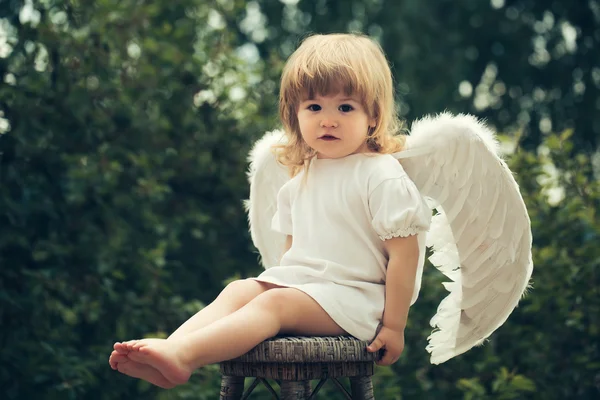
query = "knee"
x=276 y=301
x=241 y=285
x=237 y=285
x=241 y=291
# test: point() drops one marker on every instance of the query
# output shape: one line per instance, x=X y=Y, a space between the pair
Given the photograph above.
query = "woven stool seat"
x=294 y=360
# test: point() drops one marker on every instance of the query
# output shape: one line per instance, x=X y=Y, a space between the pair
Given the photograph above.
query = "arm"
x=403 y=255
x=400 y=280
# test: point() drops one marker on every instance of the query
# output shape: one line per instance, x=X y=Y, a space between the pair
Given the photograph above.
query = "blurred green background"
x=124 y=130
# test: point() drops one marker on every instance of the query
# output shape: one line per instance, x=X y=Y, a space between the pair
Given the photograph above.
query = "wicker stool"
x=294 y=361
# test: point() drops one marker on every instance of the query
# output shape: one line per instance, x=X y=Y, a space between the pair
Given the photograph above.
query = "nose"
x=328 y=122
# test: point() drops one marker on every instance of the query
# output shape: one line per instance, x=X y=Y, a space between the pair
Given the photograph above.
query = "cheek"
x=302 y=126
x=303 y=122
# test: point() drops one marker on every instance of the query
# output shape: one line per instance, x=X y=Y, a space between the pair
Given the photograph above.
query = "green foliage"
x=124 y=127
x=121 y=183
x=506 y=386
x=548 y=348
x=518 y=63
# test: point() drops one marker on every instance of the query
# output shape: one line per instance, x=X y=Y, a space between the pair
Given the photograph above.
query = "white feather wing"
x=481 y=237
x=266 y=177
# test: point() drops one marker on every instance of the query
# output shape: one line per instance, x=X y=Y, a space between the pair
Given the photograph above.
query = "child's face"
x=334 y=126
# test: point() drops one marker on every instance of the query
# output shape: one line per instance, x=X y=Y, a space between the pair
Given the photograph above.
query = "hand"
x=391 y=341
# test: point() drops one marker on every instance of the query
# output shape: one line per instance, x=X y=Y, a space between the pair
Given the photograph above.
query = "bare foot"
x=141 y=371
x=161 y=355
x=134 y=345
x=113 y=359
x=122 y=347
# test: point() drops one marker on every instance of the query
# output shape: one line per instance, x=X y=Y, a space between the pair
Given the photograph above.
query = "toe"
x=120 y=347
x=112 y=360
x=138 y=345
x=117 y=359
x=129 y=345
x=113 y=363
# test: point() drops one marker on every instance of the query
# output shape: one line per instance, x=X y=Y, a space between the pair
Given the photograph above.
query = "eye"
x=314 y=107
x=346 y=108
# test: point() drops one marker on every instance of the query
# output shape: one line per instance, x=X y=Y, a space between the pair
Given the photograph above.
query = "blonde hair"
x=328 y=64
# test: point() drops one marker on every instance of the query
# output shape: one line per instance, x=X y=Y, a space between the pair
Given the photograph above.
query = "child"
x=352 y=255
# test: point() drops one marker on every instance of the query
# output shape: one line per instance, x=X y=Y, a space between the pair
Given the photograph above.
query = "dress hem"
x=328 y=310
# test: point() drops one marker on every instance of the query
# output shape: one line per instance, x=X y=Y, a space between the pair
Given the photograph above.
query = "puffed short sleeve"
x=282 y=220
x=398 y=209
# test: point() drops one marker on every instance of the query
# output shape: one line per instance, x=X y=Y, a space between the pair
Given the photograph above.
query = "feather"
x=453 y=160
x=266 y=177
x=480 y=235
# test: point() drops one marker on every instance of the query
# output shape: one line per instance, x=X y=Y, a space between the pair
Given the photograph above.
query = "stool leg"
x=362 y=388
x=232 y=387
x=295 y=390
x=307 y=389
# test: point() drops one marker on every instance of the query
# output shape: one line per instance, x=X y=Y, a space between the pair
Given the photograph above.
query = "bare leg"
x=233 y=297
x=281 y=310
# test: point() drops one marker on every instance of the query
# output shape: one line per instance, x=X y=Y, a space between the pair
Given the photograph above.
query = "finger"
x=375 y=345
x=387 y=359
x=392 y=360
x=396 y=353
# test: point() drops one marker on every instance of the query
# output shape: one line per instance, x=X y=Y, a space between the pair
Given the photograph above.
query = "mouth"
x=328 y=138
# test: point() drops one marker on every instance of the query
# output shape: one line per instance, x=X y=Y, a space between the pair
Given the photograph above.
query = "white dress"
x=339 y=217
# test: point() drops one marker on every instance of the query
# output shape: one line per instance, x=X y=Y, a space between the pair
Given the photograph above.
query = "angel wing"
x=266 y=177
x=481 y=236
